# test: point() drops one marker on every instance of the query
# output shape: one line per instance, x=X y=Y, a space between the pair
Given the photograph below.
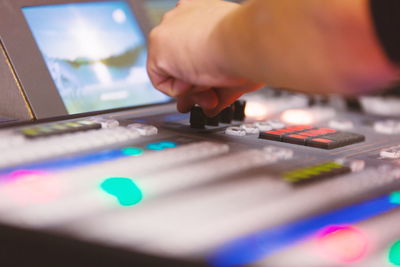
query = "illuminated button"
x=342 y=125
x=395 y=198
x=343 y=243
x=143 y=129
x=317 y=172
x=60 y=128
x=124 y=190
x=295 y=139
x=390 y=153
x=250 y=128
x=272 y=135
x=235 y=131
x=335 y=140
x=132 y=151
x=264 y=126
x=394 y=254
x=161 y=145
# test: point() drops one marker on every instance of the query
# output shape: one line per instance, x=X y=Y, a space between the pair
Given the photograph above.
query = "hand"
x=184 y=61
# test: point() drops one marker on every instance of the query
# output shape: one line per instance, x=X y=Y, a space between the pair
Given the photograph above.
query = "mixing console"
x=232 y=190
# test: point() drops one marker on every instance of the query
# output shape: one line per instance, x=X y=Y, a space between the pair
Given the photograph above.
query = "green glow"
x=123 y=189
x=394 y=254
x=132 y=151
x=161 y=145
x=395 y=198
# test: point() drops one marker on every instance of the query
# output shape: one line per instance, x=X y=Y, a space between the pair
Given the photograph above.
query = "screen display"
x=95 y=53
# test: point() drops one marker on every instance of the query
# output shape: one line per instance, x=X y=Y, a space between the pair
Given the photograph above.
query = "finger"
x=206 y=99
x=184 y=103
x=226 y=96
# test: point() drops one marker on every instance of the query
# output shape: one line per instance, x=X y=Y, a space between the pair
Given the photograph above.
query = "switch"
x=197 y=118
x=226 y=115
x=214 y=121
x=239 y=110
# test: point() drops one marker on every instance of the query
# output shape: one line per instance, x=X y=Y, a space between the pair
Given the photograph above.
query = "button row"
x=306 y=135
x=55 y=146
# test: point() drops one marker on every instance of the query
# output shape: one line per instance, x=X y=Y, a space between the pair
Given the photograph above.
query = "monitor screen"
x=95 y=53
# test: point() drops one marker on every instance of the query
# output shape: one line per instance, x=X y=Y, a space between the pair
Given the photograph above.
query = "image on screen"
x=95 y=53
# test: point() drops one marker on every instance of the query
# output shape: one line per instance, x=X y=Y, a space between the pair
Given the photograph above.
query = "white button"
x=341 y=124
x=390 y=153
x=250 y=128
x=276 y=124
x=144 y=130
x=357 y=165
x=387 y=127
x=235 y=131
x=264 y=126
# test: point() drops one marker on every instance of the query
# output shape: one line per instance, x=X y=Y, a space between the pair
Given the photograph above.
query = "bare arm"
x=306 y=45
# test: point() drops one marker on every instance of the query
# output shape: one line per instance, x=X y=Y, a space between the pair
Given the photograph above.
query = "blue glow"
x=257 y=246
x=70 y=162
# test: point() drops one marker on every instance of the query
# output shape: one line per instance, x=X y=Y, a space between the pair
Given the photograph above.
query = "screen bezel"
x=28 y=63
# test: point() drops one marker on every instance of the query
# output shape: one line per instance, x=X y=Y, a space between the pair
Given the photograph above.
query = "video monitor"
x=95 y=53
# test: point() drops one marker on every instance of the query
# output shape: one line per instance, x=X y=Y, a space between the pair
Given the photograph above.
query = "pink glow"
x=343 y=243
x=31 y=187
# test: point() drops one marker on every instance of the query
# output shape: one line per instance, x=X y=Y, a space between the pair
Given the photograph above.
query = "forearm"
x=308 y=45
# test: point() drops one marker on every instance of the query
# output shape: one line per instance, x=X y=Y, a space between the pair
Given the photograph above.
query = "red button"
x=298 y=136
x=322 y=140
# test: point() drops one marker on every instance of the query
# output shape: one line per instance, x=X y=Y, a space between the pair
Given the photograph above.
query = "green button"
x=394 y=254
x=123 y=189
x=132 y=151
x=395 y=198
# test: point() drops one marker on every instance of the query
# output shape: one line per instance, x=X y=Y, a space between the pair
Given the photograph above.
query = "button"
x=264 y=126
x=161 y=145
x=106 y=123
x=123 y=189
x=197 y=118
x=342 y=125
x=272 y=135
x=214 y=121
x=143 y=129
x=250 y=128
x=235 y=131
x=226 y=115
x=295 y=139
x=387 y=127
x=335 y=140
x=276 y=124
x=390 y=153
x=239 y=110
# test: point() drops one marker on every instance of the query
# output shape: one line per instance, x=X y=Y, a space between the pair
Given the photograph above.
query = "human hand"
x=184 y=60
